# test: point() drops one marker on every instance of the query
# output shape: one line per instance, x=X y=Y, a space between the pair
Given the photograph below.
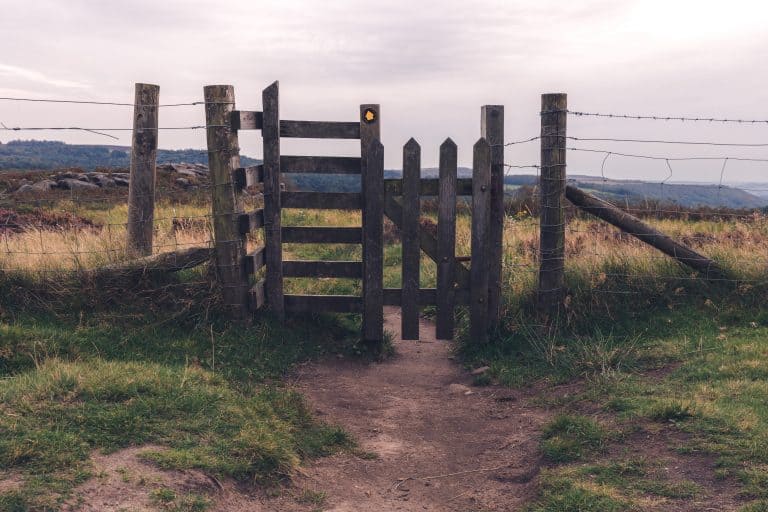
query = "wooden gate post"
x=481 y=219
x=223 y=159
x=141 y=188
x=446 y=241
x=552 y=220
x=492 y=130
x=270 y=132
x=372 y=171
x=410 y=236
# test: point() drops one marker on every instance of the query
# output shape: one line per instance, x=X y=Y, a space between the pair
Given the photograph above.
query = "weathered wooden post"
x=446 y=241
x=554 y=113
x=492 y=130
x=410 y=237
x=481 y=219
x=223 y=159
x=372 y=170
x=270 y=132
x=141 y=188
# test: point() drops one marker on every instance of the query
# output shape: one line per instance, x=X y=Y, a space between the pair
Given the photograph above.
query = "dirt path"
x=417 y=413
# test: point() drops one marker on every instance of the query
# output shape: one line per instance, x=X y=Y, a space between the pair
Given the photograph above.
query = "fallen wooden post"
x=159 y=263
x=643 y=232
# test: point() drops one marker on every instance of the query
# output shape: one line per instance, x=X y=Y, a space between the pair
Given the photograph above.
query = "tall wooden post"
x=223 y=159
x=481 y=220
x=141 y=189
x=372 y=170
x=492 y=130
x=552 y=230
x=410 y=237
x=446 y=241
x=270 y=132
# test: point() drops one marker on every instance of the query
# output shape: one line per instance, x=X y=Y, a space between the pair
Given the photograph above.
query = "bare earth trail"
x=459 y=448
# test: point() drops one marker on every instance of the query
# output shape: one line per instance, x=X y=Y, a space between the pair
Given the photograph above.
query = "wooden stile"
x=372 y=172
x=481 y=215
x=271 y=136
x=143 y=171
x=492 y=129
x=223 y=159
x=552 y=220
x=409 y=235
x=248 y=222
x=446 y=241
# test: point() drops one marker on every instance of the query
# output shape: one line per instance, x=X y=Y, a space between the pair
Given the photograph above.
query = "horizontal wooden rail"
x=247 y=222
x=319 y=130
x=247 y=120
x=427 y=296
x=321 y=303
x=429 y=186
x=320 y=164
x=353 y=269
x=322 y=235
x=258 y=295
x=322 y=200
x=245 y=176
x=254 y=261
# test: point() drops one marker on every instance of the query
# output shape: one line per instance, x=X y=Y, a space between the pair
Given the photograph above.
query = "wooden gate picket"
x=398 y=199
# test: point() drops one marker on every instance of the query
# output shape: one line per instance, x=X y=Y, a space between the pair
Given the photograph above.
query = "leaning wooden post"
x=409 y=307
x=552 y=186
x=481 y=219
x=141 y=188
x=492 y=130
x=223 y=159
x=372 y=171
x=270 y=132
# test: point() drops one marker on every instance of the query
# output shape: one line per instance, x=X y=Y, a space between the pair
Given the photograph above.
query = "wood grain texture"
x=223 y=158
x=323 y=303
x=322 y=235
x=246 y=120
x=258 y=295
x=409 y=234
x=373 y=245
x=642 y=231
x=248 y=222
x=348 y=269
x=255 y=261
x=481 y=217
x=427 y=296
x=143 y=171
x=492 y=129
x=373 y=225
x=323 y=200
x=243 y=177
x=270 y=132
x=319 y=130
x=320 y=164
x=552 y=219
x=446 y=241
x=428 y=187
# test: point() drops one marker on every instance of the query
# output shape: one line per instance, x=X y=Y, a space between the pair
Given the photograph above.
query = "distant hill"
x=37 y=155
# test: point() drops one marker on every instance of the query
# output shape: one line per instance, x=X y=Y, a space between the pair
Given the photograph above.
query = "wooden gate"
x=399 y=199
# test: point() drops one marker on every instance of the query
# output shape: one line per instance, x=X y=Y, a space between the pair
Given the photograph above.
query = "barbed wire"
x=114 y=103
x=659 y=118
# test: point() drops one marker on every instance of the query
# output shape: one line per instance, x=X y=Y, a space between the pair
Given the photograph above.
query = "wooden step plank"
x=247 y=176
x=353 y=269
x=320 y=164
x=427 y=296
x=254 y=261
x=429 y=186
x=322 y=235
x=323 y=303
x=319 y=130
x=247 y=120
x=322 y=200
x=258 y=295
x=250 y=221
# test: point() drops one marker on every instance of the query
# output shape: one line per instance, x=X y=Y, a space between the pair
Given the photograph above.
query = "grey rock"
x=44 y=185
x=75 y=184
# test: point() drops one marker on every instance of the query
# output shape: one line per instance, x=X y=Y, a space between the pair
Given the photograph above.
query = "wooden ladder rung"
x=352 y=269
x=258 y=295
x=256 y=260
x=247 y=222
x=322 y=235
x=323 y=303
x=245 y=176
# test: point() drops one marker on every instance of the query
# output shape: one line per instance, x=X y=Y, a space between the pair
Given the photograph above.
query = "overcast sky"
x=430 y=64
